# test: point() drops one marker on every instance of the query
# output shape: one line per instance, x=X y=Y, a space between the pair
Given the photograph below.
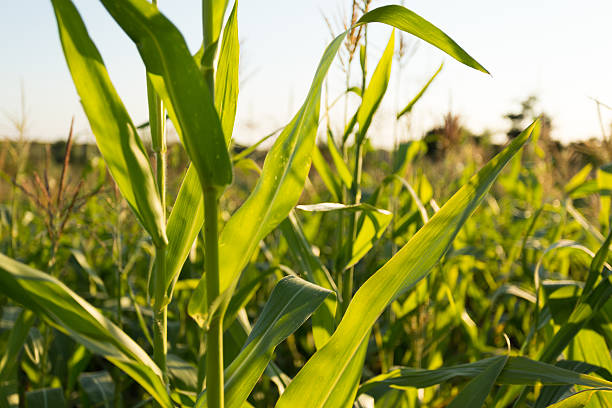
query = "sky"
x=553 y=49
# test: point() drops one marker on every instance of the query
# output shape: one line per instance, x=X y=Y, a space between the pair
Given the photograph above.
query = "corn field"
x=308 y=275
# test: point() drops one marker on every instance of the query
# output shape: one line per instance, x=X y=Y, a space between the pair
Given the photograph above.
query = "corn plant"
x=199 y=94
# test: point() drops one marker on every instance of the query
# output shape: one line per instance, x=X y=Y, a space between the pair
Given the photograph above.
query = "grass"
x=405 y=282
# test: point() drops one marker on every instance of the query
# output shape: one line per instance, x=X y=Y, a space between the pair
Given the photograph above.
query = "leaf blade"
x=116 y=138
x=292 y=301
x=179 y=82
x=73 y=315
x=403 y=271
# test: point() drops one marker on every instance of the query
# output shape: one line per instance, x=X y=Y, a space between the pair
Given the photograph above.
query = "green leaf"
x=371 y=224
x=354 y=89
x=288 y=162
x=276 y=193
x=588 y=346
x=15 y=342
x=328 y=177
x=373 y=94
x=187 y=214
x=323 y=319
x=292 y=301
x=418 y=96
x=10 y=359
x=580 y=399
x=183 y=373
x=411 y=264
x=74 y=316
x=77 y=362
x=180 y=83
x=415 y=198
x=46 y=398
x=604 y=182
x=408 y=21
x=596 y=267
x=110 y=123
x=99 y=388
x=476 y=391
x=216 y=8
x=329 y=207
x=184 y=224
x=247 y=151
x=578 y=180
x=81 y=260
x=341 y=167
x=553 y=393
x=517 y=370
x=583 y=312
x=226 y=80
x=405 y=154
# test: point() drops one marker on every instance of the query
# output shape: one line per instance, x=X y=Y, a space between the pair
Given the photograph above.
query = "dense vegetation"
x=449 y=271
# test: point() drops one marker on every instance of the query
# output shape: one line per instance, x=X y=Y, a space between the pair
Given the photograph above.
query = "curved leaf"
x=74 y=316
x=292 y=301
x=476 y=391
x=331 y=180
x=226 y=79
x=180 y=83
x=517 y=370
x=116 y=135
x=580 y=399
x=184 y=224
x=341 y=168
x=46 y=398
x=276 y=193
x=412 y=263
x=288 y=162
x=373 y=94
x=323 y=319
x=410 y=22
x=418 y=96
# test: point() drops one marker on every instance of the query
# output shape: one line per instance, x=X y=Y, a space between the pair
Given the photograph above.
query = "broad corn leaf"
x=74 y=316
x=184 y=224
x=288 y=162
x=376 y=89
x=476 y=391
x=323 y=319
x=179 y=82
x=276 y=193
x=116 y=135
x=292 y=301
x=341 y=167
x=226 y=82
x=410 y=22
x=581 y=398
x=517 y=370
x=412 y=263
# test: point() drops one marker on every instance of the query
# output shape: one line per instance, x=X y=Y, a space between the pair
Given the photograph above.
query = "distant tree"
x=518 y=120
x=442 y=137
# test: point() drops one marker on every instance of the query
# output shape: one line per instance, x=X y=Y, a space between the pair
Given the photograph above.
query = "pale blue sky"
x=555 y=49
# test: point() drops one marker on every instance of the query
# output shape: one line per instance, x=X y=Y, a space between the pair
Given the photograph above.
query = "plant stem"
x=214 y=336
x=160 y=315
x=157 y=124
x=355 y=198
x=210 y=44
